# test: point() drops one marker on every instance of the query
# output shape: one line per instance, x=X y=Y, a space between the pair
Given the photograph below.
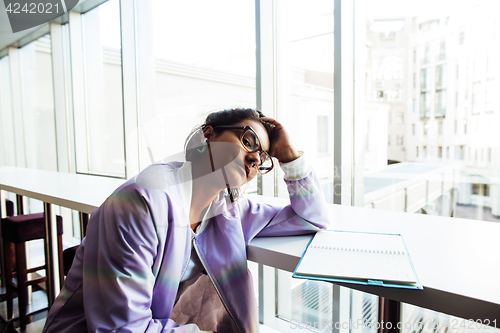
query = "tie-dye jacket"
x=126 y=272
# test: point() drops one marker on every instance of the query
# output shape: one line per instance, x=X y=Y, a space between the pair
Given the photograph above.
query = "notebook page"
x=357 y=256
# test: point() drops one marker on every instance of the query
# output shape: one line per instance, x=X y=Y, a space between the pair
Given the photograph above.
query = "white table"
x=83 y=193
x=456 y=260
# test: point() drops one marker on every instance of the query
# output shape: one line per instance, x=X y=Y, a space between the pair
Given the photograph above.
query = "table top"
x=456 y=260
x=83 y=193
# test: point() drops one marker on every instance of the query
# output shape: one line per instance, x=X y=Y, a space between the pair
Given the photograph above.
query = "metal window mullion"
x=17 y=106
x=78 y=92
x=59 y=97
x=130 y=87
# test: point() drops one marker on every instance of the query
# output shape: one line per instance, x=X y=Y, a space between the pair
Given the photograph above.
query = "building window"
x=417 y=151
x=425 y=105
x=424 y=151
x=393 y=95
x=414 y=80
x=440 y=103
x=461 y=38
x=414 y=56
x=440 y=152
x=448 y=152
x=481 y=189
x=457 y=71
x=489 y=155
x=476 y=88
x=440 y=128
x=389 y=117
x=399 y=140
x=425 y=108
x=426 y=128
x=389 y=140
x=442 y=51
x=322 y=134
x=413 y=129
x=400 y=118
x=440 y=91
x=456 y=127
x=465 y=127
x=380 y=94
x=456 y=99
x=427 y=55
x=414 y=105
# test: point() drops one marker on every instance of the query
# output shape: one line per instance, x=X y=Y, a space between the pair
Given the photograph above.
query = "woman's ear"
x=209 y=133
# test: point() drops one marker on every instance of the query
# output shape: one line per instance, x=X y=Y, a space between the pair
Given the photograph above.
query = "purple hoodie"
x=127 y=271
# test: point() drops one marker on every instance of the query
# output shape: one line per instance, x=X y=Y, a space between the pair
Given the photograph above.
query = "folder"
x=379 y=259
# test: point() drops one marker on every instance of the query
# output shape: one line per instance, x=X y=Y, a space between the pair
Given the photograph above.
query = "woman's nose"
x=253 y=158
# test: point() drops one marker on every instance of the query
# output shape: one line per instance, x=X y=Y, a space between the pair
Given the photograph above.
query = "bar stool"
x=18 y=230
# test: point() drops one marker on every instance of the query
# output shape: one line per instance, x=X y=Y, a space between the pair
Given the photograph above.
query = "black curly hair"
x=218 y=118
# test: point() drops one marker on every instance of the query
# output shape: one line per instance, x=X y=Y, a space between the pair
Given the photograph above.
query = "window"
x=323 y=134
x=440 y=107
x=461 y=38
x=38 y=104
x=399 y=140
x=489 y=155
x=447 y=152
x=426 y=128
x=414 y=56
x=7 y=151
x=424 y=151
x=481 y=189
x=425 y=105
x=417 y=151
x=388 y=139
x=198 y=70
x=456 y=127
x=400 y=118
x=413 y=129
x=465 y=127
x=456 y=99
x=100 y=144
x=414 y=80
x=427 y=55
x=440 y=128
x=414 y=105
x=442 y=51
x=440 y=152
x=389 y=117
x=425 y=108
x=476 y=97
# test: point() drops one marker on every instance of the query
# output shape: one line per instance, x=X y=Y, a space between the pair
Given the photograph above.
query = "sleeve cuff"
x=297 y=169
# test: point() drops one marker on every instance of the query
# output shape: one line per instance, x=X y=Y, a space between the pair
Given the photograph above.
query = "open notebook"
x=358 y=257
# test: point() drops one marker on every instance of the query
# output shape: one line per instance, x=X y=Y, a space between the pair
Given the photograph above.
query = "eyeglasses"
x=250 y=141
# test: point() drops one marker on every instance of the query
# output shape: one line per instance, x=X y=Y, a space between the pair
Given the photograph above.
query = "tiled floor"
x=38 y=301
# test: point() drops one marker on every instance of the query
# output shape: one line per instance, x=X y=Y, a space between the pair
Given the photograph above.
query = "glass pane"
x=38 y=104
x=447 y=155
x=103 y=91
x=304 y=95
x=203 y=60
x=7 y=150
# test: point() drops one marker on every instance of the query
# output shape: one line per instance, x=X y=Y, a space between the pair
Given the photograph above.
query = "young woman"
x=166 y=252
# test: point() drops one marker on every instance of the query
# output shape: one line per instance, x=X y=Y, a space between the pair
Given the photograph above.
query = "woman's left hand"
x=281 y=147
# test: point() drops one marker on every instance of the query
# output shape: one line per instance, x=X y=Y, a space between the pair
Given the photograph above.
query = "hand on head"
x=281 y=147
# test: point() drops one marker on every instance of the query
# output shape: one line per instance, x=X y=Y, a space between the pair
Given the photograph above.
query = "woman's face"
x=239 y=164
